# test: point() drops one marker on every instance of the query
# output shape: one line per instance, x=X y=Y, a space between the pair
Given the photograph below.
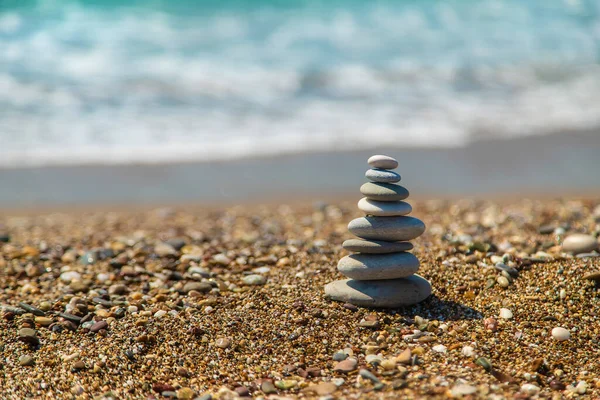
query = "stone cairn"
x=381 y=272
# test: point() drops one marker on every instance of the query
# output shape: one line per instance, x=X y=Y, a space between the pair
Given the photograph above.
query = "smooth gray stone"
x=382 y=162
x=390 y=229
x=376 y=246
x=382 y=175
x=386 y=294
x=378 y=266
x=384 y=208
x=579 y=243
x=384 y=191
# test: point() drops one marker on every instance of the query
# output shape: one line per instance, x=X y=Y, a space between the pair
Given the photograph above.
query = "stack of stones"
x=381 y=271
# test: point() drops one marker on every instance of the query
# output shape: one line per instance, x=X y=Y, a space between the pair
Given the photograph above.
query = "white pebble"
x=463 y=389
x=468 y=351
x=254 y=279
x=102 y=277
x=530 y=389
x=581 y=387
x=560 y=333
x=505 y=313
x=132 y=309
x=160 y=314
x=563 y=294
x=440 y=348
x=70 y=276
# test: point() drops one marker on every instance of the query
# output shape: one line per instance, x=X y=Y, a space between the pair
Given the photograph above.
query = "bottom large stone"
x=380 y=293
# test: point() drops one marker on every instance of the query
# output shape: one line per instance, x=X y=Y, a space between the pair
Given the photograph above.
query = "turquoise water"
x=156 y=81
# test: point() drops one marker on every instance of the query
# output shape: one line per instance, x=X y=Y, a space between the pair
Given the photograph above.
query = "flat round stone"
x=382 y=175
x=386 y=293
x=378 y=266
x=383 y=191
x=384 y=208
x=579 y=243
x=376 y=246
x=382 y=162
x=389 y=229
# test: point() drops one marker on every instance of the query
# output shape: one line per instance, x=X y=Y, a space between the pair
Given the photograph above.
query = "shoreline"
x=561 y=165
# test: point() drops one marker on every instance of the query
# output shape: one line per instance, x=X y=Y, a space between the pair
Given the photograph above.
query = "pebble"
x=384 y=191
x=405 y=356
x=267 y=387
x=386 y=293
x=579 y=243
x=382 y=176
x=29 y=336
x=70 y=276
x=202 y=287
x=160 y=313
x=223 y=343
x=468 y=351
x=322 y=389
x=503 y=281
x=378 y=266
x=382 y=162
x=339 y=356
x=505 y=313
x=530 y=389
x=165 y=249
x=560 y=334
x=373 y=359
x=505 y=268
x=185 y=393
x=384 y=208
x=118 y=289
x=26 y=361
x=286 y=384
x=346 y=366
x=34 y=310
x=43 y=321
x=440 y=348
x=376 y=246
x=98 y=326
x=365 y=373
x=592 y=276
x=70 y=317
x=254 y=280
x=462 y=389
x=387 y=228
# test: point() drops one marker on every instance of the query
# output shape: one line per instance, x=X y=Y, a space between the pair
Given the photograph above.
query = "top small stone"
x=382 y=162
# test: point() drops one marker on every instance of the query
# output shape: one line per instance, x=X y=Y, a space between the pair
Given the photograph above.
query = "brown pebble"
x=162 y=387
x=79 y=365
x=223 y=343
x=268 y=387
x=555 y=384
x=322 y=389
x=404 y=357
x=99 y=326
x=183 y=372
x=346 y=366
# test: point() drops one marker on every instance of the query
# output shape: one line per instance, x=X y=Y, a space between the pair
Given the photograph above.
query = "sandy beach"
x=226 y=302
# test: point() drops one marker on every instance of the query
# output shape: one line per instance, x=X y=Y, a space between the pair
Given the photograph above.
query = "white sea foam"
x=82 y=85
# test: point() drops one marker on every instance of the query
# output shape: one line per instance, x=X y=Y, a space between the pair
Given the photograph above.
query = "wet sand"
x=182 y=319
x=562 y=165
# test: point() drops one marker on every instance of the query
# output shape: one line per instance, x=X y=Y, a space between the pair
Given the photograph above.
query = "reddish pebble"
x=99 y=326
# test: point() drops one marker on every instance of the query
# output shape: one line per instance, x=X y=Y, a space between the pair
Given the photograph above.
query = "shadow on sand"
x=434 y=308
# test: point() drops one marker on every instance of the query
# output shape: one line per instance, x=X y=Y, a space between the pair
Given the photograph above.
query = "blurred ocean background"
x=151 y=81
x=164 y=81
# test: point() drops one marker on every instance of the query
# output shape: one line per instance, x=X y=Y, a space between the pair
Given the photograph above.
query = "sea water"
x=169 y=80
